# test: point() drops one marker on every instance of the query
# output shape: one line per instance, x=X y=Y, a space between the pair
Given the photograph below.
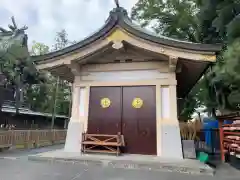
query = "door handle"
x=124 y=125
x=144 y=133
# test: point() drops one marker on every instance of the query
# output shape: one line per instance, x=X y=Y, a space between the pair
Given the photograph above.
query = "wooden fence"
x=31 y=138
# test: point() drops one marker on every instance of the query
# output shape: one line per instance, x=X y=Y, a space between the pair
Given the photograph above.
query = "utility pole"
x=17 y=92
x=19 y=85
x=70 y=105
x=54 y=104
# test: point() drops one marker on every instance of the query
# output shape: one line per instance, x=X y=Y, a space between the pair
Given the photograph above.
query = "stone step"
x=191 y=168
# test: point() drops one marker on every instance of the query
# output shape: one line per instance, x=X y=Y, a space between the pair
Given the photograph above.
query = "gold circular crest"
x=137 y=103
x=105 y=102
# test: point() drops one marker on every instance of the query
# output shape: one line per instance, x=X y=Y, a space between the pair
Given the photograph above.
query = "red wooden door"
x=139 y=124
x=104 y=120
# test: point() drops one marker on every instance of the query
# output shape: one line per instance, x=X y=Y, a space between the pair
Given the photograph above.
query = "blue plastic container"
x=209 y=124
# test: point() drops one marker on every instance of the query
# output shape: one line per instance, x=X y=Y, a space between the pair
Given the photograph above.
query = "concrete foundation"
x=142 y=162
x=171 y=142
x=74 y=137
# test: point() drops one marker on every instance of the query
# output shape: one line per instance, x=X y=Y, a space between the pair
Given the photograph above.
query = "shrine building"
x=129 y=80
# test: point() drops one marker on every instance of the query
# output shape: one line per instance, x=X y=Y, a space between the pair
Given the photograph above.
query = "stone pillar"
x=171 y=139
x=75 y=125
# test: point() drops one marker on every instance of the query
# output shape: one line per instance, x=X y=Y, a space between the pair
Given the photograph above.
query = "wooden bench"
x=102 y=143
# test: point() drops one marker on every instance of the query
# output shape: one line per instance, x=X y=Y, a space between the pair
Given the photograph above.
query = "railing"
x=13 y=104
x=31 y=138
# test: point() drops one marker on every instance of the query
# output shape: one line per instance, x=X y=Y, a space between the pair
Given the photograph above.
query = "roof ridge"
x=119 y=16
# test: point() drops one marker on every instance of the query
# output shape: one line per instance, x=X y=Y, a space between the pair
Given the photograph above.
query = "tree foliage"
x=172 y=18
x=39 y=49
x=42 y=96
x=203 y=21
x=15 y=61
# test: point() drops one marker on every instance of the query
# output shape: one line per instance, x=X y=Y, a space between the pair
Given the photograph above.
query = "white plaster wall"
x=82 y=102
x=124 y=75
x=165 y=102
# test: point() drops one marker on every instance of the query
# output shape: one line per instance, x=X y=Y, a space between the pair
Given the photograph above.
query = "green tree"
x=62 y=41
x=15 y=61
x=63 y=95
x=229 y=77
x=39 y=95
x=42 y=97
x=222 y=17
x=171 y=18
x=227 y=19
x=177 y=19
x=39 y=49
x=203 y=21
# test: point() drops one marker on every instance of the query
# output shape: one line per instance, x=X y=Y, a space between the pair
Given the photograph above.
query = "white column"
x=75 y=126
x=82 y=107
x=171 y=139
x=158 y=120
x=87 y=94
x=81 y=103
x=165 y=103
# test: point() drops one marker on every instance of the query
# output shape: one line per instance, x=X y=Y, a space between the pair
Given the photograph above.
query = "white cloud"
x=45 y=17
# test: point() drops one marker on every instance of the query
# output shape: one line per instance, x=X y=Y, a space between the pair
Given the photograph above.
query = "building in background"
x=26 y=118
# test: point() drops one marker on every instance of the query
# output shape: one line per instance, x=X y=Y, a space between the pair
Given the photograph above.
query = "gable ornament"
x=117 y=3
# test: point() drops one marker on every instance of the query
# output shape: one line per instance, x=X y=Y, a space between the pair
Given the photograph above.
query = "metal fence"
x=31 y=138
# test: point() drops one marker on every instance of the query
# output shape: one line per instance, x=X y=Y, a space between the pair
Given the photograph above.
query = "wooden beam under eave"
x=172 y=62
x=121 y=35
x=74 y=56
x=75 y=68
x=63 y=72
x=190 y=73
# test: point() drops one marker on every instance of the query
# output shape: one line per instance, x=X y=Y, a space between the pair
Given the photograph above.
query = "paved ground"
x=12 y=154
x=14 y=165
x=127 y=161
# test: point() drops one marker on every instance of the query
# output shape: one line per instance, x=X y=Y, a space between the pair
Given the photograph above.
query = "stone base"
x=171 y=141
x=74 y=136
x=142 y=162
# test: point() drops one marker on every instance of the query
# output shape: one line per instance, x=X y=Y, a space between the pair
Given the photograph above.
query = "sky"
x=44 y=18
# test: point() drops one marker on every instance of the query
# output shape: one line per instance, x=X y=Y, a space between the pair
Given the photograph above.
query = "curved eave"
x=110 y=24
x=147 y=35
x=119 y=17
